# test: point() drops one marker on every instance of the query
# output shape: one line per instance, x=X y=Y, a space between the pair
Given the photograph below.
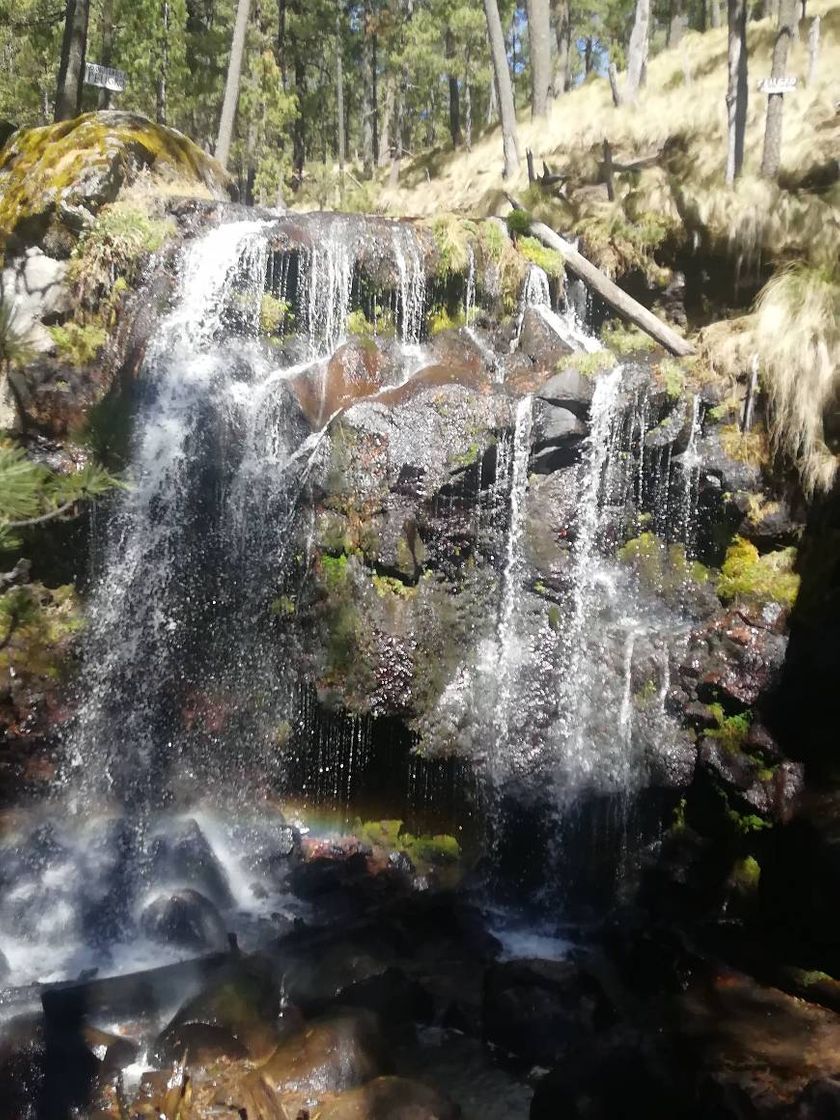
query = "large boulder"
x=186 y=919
x=182 y=857
x=569 y=389
x=34 y=284
x=54 y=179
x=390 y=1098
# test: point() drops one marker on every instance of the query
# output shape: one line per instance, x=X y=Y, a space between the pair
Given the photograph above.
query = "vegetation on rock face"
x=31 y=493
x=749 y=576
x=114 y=246
x=35 y=623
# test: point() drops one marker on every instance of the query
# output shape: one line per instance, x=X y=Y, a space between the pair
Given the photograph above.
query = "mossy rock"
x=746 y=575
x=57 y=176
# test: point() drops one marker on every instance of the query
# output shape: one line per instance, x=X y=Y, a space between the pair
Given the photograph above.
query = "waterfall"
x=328 y=283
x=412 y=282
x=143 y=607
x=536 y=294
x=507 y=641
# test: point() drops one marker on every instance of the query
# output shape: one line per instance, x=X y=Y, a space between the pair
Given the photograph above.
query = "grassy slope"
x=788 y=233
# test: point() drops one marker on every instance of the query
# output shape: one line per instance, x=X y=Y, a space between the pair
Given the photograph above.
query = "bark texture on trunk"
x=237 y=50
x=106 y=47
x=612 y=74
x=772 y=156
x=341 y=140
x=539 y=40
x=504 y=88
x=637 y=52
x=454 y=94
x=563 y=37
x=813 y=50
x=71 y=71
x=736 y=90
x=714 y=13
x=163 y=72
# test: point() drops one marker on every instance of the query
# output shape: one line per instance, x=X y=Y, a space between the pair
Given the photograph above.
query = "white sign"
x=104 y=76
x=777 y=85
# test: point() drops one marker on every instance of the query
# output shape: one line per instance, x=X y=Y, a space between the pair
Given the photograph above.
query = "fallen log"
x=627 y=307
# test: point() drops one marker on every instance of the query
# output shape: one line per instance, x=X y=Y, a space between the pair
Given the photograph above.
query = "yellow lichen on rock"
x=59 y=174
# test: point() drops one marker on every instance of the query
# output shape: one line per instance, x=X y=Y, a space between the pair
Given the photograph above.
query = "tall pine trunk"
x=504 y=88
x=563 y=35
x=71 y=71
x=454 y=94
x=237 y=50
x=163 y=72
x=772 y=155
x=736 y=91
x=106 y=46
x=637 y=51
x=715 y=18
x=341 y=142
x=539 y=40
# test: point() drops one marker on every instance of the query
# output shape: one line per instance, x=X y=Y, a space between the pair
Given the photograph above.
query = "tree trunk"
x=737 y=90
x=562 y=34
x=368 y=93
x=588 y=56
x=772 y=156
x=714 y=13
x=504 y=89
x=468 y=125
x=106 y=47
x=612 y=74
x=71 y=71
x=813 y=50
x=164 y=66
x=387 y=120
x=341 y=141
x=627 y=307
x=237 y=50
x=454 y=95
x=281 y=42
x=677 y=23
x=539 y=39
x=637 y=51
x=492 y=102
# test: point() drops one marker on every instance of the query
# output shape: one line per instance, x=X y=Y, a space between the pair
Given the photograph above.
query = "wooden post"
x=813 y=50
x=627 y=307
x=529 y=156
x=608 y=170
x=612 y=74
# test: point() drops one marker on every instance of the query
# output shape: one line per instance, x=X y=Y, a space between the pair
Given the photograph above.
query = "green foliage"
x=387 y=586
x=15 y=347
x=283 y=606
x=731 y=731
x=78 y=343
x=673 y=377
x=745 y=875
x=549 y=260
x=663 y=568
x=440 y=320
x=433 y=850
x=519 y=223
x=29 y=491
x=36 y=624
x=590 y=365
x=453 y=237
x=274 y=314
x=115 y=245
x=747 y=575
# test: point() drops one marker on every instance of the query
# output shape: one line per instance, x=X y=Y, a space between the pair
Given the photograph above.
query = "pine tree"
x=71 y=72
x=504 y=88
x=223 y=141
x=772 y=155
x=736 y=92
x=539 y=40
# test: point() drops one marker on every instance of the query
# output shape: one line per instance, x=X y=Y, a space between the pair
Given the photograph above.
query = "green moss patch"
x=749 y=576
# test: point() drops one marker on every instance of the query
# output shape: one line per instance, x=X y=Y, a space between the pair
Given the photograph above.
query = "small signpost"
x=777 y=85
x=105 y=77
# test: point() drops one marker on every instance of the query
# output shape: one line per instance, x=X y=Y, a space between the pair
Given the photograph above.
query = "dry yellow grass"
x=682 y=113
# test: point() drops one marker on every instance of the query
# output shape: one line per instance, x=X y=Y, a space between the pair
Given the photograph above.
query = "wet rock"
x=556 y=434
x=735 y=657
x=733 y=474
x=182 y=857
x=392 y=996
x=5 y=968
x=552 y=502
x=243 y=999
x=820 y=1100
x=539 y=342
x=185 y=918
x=199 y=1044
x=355 y=370
x=568 y=389
x=328 y=1055
x=113 y=1051
x=270 y=847
x=390 y=1098
x=22 y=1065
x=536 y=1008
x=770 y=791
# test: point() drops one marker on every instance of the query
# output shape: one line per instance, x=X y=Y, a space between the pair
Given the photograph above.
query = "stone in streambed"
x=182 y=857
x=185 y=918
x=556 y=434
x=390 y=1098
x=568 y=389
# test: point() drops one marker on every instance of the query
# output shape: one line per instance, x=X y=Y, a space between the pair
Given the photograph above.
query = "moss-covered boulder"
x=54 y=179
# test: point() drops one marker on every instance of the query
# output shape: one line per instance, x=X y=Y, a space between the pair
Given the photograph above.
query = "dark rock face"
x=390 y=1098
x=183 y=858
x=185 y=918
x=736 y=657
x=537 y=1009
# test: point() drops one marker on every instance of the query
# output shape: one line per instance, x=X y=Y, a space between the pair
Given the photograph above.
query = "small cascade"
x=412 y=284
x=536 y=294
x=689 y=463
x=507 y=641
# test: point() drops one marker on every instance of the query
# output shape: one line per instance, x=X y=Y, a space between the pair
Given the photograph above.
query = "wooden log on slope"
x=627 y=307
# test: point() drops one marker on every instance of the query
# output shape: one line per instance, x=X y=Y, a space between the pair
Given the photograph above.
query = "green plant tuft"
x=747 y=575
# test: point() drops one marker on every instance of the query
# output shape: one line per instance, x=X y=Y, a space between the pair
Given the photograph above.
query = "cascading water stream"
x=536 y=294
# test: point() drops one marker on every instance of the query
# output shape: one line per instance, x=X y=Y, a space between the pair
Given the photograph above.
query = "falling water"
x=514 y=565
x=412 y=281
x=536 y=294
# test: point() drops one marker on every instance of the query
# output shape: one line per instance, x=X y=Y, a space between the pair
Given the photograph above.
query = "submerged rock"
x=390 y=1098
x=182 y=857
x=185 y=918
